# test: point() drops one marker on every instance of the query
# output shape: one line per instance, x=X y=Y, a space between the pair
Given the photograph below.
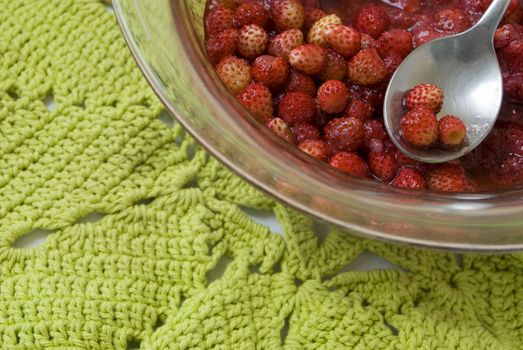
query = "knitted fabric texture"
x=168 y=217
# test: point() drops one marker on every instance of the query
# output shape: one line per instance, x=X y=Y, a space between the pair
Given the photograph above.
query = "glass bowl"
x=166 y=38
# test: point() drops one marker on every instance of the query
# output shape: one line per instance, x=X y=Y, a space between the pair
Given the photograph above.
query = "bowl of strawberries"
x=290 y=97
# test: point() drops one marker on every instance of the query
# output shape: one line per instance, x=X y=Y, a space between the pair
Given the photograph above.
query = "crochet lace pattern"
x=168 y=215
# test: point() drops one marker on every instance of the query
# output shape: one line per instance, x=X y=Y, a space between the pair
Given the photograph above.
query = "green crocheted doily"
x=169 y=216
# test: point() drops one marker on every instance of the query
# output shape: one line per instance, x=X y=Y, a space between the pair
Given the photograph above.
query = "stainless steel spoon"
x=465 y=66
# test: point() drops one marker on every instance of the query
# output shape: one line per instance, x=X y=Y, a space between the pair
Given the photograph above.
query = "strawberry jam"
x=317 y=79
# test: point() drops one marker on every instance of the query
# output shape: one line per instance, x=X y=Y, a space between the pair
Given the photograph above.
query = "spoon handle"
x=493 y=15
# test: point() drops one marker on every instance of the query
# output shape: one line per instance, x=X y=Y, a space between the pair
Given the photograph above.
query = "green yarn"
x=171 y=215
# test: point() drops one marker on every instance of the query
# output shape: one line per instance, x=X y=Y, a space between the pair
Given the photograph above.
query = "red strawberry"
x=403 y=160
x=280 y=128
x=270 y=71
x=257 y=99
x=367 y=68
x=335 y=66
x=312 y=15
x=368 y=42
x=333 y=96
x=287 y=14
x=397 y=41
x=383 y=165
x=251 y=13
x=282 y=44
x=222 y=45
x=315 y=148
x=451 y=20
x=506 y=34
x=344 y=134
x=410 y=6
x=452 y=131
x=447 y=177
x=425 y=95
x=373 y=130
x=372 y=20
x=509 y=172
x=317 y=32
x=309 y=59
x=345 y=40
x=476 y=7
x=401 y=19
x=300 y=82
x=350 y=163
x=513 y=54
x=252 y=41
x=304 y=132
x=409 y=178
x=514 y=86
x=392 y=62
x=419 y=127
x=359 y=109
x=218 y=20
x=297 y=107
x=234 y=72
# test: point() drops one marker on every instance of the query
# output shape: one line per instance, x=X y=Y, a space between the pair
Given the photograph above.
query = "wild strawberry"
x=367 y=68
x=317 y=32
x=452 y=20
x=359 y=109
x=335 y=66
x=507 y=34
x=514 y=86
x=270 y=70
x=257 y=99
x=315 y=148
x=373 y=130
x=508 y=173
x=368 y=42
x=373 y=94
x=392 y=62
x=312 y=15
x=252 y=41
x=345 y=40
x=372 y=20
x=403 y=160
x=218 y=20
x=476 y=7
x=382 y=165
x=425 y=95
x=452 y=131
x=287 y=14
x=280 y=128
x=307 y=58
x=222 y=45
x=344 y=134
x=251 y=13
x=304 y=132
x=410 y=6
x=350 y=163
x=447 y=177
x=234 y=72
x=333 y=96
x=396 y=41
x=282 y=44
x=513 y=54
x=300 y=82
x=297 y=107
x=409 y=178
x=401 y=19
x=419 y=127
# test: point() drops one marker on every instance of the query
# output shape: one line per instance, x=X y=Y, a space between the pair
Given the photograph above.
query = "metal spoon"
x=465 y=66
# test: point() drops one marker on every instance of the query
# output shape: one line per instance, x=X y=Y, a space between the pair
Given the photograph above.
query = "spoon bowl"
x=466 y=68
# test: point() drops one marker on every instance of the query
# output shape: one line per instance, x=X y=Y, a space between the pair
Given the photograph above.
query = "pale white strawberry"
x=234 y=72
x=346 y=40
x=318 y=30
x=282 y=44
x=307 y=58
x=252 y=41
x=280 y=128
x=287 y=14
